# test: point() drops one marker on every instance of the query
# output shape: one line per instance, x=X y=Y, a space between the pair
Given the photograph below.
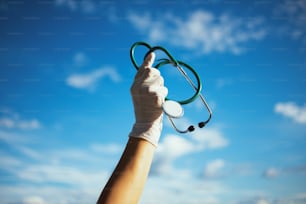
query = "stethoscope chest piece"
x=173 y=109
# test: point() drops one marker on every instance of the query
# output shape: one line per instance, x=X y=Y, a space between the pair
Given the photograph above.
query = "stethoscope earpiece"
x=191 y=128
x=201 y=124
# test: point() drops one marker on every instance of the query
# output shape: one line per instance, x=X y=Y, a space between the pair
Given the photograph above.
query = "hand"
x=148 y=93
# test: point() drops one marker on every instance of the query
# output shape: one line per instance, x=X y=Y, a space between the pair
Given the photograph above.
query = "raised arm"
x=128 y=179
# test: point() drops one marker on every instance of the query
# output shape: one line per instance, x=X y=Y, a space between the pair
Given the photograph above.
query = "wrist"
x=147 y=131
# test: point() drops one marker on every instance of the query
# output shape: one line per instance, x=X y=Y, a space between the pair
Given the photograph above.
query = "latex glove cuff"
x=148 y=131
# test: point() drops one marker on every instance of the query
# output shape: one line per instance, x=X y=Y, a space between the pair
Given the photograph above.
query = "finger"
x=154 y=81
x=161 y=95
x=147 y=75
x=162 y=92
x=148 y=62
x=156 y=89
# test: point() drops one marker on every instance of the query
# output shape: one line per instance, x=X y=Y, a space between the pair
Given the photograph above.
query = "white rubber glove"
x=148 y=93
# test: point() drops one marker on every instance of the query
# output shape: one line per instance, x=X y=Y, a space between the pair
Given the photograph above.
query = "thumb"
x=148 y=62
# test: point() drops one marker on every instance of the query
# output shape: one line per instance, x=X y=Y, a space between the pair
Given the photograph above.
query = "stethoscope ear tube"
x=179 y=65
x=191 y=128
x=132 y=52
x=175 y=63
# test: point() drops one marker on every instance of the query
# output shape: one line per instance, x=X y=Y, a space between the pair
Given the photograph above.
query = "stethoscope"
x=173 y=109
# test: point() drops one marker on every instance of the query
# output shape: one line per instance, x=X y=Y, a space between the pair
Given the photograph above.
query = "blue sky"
x=66 y=110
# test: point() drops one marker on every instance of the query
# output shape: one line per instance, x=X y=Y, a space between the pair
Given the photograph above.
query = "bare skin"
x=128 y=179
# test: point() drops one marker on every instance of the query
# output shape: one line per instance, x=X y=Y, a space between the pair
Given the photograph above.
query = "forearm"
x=129 y=177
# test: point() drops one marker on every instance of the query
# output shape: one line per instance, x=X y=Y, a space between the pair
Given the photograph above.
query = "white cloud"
x=256 y=200
x=9 y=161
x=12 y=123
x=59 y=179
x=51 y=194
x=7 y=122
x=179 y=190
x=71 y=4
x=201 y=31
x=262 y=201
x=107 y=148
x=176 y=146
x=31 y=124
x=29 y=152
x=88 y=6
x=14 y=138
x=293 y=18
x=209 y=138
x=292 y=111
x=89 y=81
x=33 y=200
x=172 y=147
x=213 y=168
x=271 y=173
x=63 y=174
x=85 y=6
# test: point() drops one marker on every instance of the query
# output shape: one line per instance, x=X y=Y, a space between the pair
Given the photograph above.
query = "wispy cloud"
x=180 y=189
x=88 y=81
x=14 y=138
x=171 y=148
x=214 y=168
x=264 y=199
x=293 y=18
x=47 y=194
x=33 y=200
x=12 y=120
x=63 y=174
x=66 y=173
x=112 y=148
x=201 y=31
x=85 y=6
x=210 y=138
x=256 y=200
x=292 y=111
x=271 y=173
x=15 y=123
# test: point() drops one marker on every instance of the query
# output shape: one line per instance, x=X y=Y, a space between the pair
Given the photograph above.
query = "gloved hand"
x=148 y=93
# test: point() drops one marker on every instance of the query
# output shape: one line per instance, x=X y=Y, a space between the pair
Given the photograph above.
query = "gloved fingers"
x=148 y=62
x=163 y=92
x=150 y=85
x=146 y=75
x=152 y=90
x=157 y=94
x=160 y=95
x=155 y=80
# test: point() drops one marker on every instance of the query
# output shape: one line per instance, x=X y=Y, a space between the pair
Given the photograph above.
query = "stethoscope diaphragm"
x=173 y=109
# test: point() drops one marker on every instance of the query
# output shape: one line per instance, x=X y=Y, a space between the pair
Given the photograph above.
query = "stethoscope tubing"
x=175 y=63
